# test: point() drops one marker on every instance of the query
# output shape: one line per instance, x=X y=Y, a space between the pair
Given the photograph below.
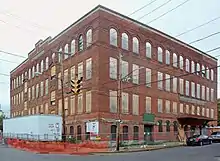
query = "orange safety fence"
x=58 y=147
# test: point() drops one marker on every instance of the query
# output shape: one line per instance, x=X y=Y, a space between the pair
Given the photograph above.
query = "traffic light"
x=76 y=86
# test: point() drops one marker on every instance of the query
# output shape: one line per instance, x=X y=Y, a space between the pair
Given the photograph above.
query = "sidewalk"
x=142 y=148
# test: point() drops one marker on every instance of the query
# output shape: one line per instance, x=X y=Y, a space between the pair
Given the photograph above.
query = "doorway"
x=148 y=129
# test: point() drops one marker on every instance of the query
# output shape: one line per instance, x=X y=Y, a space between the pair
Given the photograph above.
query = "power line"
x=9 y=53
x=8 y=61
x=142 y=7
x=4 y=83
x=206 y=23
x=5 y=74
x=155 y=9
x=213 y=34
x=211 y=50
x=168 y=12
x=18 y=17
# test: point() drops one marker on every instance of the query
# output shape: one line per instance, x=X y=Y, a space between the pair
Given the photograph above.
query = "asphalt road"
x=204 y=153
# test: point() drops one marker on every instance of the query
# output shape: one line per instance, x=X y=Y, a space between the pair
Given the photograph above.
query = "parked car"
x=215 y=136
x=199 y=140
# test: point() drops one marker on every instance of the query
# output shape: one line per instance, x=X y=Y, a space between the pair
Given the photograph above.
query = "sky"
x=24 y=22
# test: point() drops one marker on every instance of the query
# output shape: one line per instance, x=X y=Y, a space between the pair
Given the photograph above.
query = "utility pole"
x=62 y=93
x=118 y=122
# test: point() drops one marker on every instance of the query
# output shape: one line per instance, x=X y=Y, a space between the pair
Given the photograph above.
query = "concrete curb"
x=139 y=150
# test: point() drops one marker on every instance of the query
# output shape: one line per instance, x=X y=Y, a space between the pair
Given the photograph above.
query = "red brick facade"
x=100 y=20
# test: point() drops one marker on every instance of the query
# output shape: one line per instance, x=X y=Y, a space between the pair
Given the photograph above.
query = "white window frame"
x=135 y=74
x=113 y=37
x=160 y=80
x=148 y=77
x=113 y=68
x=89 y=38
x=159 y=54
x=167 y=80
x=124 y=41
x=181 y=62
x=167 y=57
x=89 y=68
x=148 y=50
x=135 y=45
x=175 y=60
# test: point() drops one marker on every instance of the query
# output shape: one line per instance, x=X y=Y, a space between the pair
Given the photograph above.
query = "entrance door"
x=148 y=133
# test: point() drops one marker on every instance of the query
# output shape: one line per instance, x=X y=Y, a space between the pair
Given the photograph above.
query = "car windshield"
x=214 y=133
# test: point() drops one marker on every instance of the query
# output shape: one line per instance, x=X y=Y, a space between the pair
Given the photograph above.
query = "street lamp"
x=119 y=93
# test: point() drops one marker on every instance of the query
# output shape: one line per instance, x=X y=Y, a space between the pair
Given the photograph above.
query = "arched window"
x=79 y=132
x=53 y=57
x=187 y=65
x=203 y=71
x=212 y=74
x=73 y=47
x=89 y=38
x=160 y=126
x=160 y=54
x=113 y=132
x=135 y=45
x=71 y=130
x=198 y=68
x=125 y=132
x=136 y=133
x=37 y=68
x=47 y=63
x=207 y=72
x=124 y=42
x=181 y=62
x=33 y=72
x=168 y=126
x=113 y=37
x=66 y=50
x=80 y=43
x=59 y=55
x=192 y=67
x=148 y=50
x=175 y=60
x=29 y=73
x=41 y=66
x=167 y=57
x=175 y=126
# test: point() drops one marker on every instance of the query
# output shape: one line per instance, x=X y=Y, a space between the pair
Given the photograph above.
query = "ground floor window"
x=113 y=132
x=160 y=126
x=125 y=132
x=136 y=133
x=79 y=132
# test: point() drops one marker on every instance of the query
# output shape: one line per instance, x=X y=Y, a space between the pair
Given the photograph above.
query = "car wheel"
x=201 y=143
x=210 y=142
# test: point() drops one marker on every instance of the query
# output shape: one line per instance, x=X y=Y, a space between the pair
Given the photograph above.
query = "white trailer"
x=34 y=127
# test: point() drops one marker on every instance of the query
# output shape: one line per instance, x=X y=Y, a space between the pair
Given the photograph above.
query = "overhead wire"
x=168 y=12
x=206 y=37
x=199 y=26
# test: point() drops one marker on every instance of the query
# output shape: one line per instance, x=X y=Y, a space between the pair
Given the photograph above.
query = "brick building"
x=186 y=94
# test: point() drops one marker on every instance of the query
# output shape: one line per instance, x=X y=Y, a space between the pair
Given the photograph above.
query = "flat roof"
x=100 y=7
